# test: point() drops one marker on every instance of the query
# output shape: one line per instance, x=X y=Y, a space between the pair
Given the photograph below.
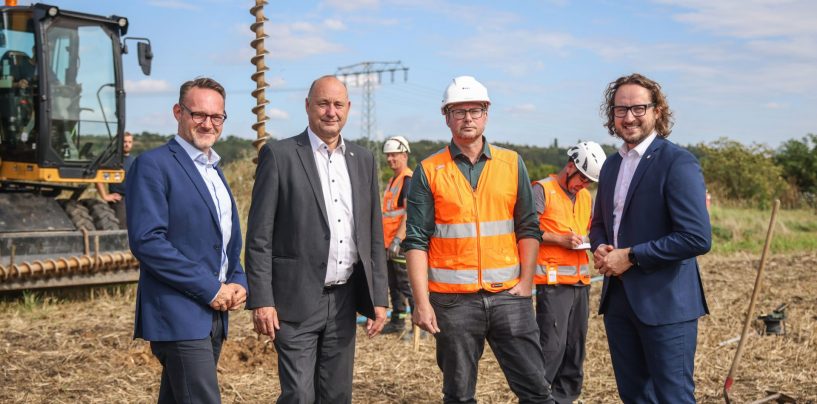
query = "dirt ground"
x=80 y=349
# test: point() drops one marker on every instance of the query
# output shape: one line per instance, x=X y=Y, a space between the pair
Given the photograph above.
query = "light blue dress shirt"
x=218 y=191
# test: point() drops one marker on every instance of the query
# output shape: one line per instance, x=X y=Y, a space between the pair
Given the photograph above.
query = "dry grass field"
x=79 y=349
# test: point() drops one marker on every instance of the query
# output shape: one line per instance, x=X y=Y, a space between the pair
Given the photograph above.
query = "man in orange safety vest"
x=396 y=149
x=562 y=272
x=471 y=242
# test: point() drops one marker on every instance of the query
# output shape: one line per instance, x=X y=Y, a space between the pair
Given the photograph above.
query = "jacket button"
x=216 y=247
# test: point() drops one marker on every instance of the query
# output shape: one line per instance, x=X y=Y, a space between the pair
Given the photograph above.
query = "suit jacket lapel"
x=308 y=161
x=189 y=167
x=643 y=165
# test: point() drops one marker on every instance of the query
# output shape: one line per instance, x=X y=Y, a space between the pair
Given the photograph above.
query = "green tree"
x=798 y=158
x=743 y=174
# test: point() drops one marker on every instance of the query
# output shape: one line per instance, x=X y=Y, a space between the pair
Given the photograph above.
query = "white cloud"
x=774 y=105
x=297 y=41
x=302 y=26
x=351 y=5
x=334 y=24
x=173 y=4
x=277 y=114
x=147 y=86
x=159 y=122
x=526 y=108
x=276 y=82
x=749 y=18
x=493 y=48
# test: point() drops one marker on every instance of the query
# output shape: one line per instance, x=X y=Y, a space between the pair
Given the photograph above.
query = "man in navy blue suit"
x=649 y=225
x=183 y=227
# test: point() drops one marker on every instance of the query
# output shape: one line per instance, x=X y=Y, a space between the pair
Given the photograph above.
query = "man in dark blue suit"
x=649 y=224
x=183 y=227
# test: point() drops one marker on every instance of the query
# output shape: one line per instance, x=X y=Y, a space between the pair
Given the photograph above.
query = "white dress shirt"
x=337 y=196
x=218 y=192
x=629 y=162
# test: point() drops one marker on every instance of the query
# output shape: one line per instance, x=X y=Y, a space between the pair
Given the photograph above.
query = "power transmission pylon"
x=368 y=75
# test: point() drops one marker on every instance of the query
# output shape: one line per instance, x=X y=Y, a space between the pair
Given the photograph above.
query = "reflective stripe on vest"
x=584 y=269
x=392 y=214
x=474 y=245
x=465 y=230
x=469 y=276
x=395 y=213
x=563 y=216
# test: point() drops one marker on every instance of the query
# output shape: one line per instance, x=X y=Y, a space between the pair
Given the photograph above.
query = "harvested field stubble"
x=80 y=350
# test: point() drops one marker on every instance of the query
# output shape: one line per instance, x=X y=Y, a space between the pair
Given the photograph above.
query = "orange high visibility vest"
x=392 y=215
x=556 y=264
x=474 y=245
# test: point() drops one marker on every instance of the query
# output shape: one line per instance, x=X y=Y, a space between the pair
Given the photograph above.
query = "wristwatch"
x=631 y=257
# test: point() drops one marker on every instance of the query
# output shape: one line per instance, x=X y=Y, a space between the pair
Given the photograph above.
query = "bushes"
x=745 y=175
x=754 y=175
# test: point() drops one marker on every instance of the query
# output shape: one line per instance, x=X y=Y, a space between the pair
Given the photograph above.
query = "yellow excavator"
x=62 y=121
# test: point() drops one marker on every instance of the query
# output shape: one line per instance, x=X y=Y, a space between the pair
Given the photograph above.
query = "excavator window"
x=83 y=97
x=18 y=88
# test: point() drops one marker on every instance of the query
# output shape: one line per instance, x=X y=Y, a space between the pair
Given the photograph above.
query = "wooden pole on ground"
x=730 y=377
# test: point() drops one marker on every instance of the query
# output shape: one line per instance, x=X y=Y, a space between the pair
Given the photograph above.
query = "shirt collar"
x=640 y=149
x=197 y=155
x=316 y=142
x=455 y=151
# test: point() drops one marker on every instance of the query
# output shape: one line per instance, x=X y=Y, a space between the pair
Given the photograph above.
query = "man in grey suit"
x=315 y=251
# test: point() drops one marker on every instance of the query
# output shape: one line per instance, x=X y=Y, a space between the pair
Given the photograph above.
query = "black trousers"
x=120 y=211
x=316 y=356
x=189 y=367
x=399 y=288
x=562 y=312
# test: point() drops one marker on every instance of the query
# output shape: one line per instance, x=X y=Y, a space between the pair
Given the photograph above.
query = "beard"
x=635 y=133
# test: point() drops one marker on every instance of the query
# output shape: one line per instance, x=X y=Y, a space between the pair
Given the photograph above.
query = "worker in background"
x=115 y=194
x=471 y=241
x=562 y=273
x=649 y=225
x=396 y=150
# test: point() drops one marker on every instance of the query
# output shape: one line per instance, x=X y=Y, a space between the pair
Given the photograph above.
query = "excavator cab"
x=62 y=123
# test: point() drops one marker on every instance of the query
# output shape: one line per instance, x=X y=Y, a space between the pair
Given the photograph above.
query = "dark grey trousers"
x=189 y=367
x=120 y=211
x=399 y=288
x=466 y=320
x=562 y=312
x=316 y=356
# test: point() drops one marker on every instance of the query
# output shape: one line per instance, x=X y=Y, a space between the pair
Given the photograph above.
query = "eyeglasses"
x=583 y=178
x=637 y=110
x=200 y=117
x=475 y=113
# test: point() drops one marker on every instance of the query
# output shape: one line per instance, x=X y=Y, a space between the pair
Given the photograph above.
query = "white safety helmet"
x=464 y=89
x=396 y=144
x=588 y=158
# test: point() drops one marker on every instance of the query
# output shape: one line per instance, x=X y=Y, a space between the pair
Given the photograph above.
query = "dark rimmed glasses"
x=475 y=113
x=637 y=110
x=200 y=117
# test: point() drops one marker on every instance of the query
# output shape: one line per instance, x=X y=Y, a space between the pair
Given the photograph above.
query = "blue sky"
x=742 y=69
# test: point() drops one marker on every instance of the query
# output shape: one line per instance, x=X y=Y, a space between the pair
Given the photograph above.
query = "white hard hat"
x=396 y=144
x=464 y=89
x=588 y=158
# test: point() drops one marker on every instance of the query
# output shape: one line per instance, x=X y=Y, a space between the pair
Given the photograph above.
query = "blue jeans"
x=466 y=320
